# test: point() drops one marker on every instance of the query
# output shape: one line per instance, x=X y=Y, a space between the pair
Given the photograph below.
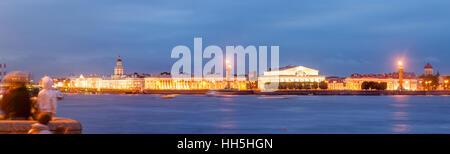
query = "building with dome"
x=428 y=69
x=117 y=81
x=288 y=77
x=444 y=79
x=136 y=82
x=391 y=80
x=118 y=70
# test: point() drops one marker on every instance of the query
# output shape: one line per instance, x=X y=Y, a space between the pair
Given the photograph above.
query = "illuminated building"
x=167 y=82
x=444 y=81
x=164 y=81
x=335 y=83
x=410 y=82
x=428 y=69
x=118 y=70
x=394 y=81
x=289 y=77
x=290 y=74
x=105 y=84
x=117 y=81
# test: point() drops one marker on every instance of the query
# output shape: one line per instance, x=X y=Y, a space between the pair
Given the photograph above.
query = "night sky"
x=56 y=37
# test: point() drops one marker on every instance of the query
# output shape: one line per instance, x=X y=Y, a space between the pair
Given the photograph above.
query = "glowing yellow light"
x=227 y=61
x=400 y=63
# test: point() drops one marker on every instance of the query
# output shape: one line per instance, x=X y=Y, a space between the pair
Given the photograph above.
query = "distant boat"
x=211 y=93
x=59 y=95
x=167 y=96
x=221 y=93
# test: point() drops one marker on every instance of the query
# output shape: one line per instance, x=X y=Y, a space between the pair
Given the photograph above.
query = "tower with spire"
x=118 y=70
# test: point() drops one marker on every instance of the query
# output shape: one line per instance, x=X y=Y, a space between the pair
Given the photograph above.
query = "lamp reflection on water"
x=400 y=116
x=227 y=123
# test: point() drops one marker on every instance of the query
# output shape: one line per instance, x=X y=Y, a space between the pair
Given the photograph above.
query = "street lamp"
x=228 y=69
x=446 y=84
x=428 y=84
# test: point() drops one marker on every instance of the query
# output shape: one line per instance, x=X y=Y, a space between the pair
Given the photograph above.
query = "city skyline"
x=339 y=38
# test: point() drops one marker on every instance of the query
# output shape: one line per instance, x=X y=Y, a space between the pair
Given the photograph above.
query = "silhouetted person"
x=41 y=127
x=46 y=99
x=60 y=129
x=16 y=103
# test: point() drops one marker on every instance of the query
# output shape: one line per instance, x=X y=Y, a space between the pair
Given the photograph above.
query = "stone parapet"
x=23 y=126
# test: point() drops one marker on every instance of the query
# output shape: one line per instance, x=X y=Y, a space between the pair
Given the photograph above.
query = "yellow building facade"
x=290 y=74
x=155 y=83
x=352 y=83
x=99 y=83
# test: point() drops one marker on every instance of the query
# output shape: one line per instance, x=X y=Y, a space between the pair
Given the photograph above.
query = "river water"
x=197 y=114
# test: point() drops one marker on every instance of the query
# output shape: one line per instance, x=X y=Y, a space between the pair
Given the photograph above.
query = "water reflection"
x=400 y=115
x=401 y=98
x=226 y=110
x=227 y=122
x=227 y=98
x=399 y=105
x=401 y=128
x=248 y=114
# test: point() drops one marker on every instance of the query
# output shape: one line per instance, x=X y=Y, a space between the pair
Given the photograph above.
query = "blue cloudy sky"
x=56 y=37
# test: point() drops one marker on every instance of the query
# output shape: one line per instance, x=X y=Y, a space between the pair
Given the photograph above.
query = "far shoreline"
x=279 y=92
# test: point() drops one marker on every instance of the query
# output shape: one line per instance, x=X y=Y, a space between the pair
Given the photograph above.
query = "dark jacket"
x=16 y=104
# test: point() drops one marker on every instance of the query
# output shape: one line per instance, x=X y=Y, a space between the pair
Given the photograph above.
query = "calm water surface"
x=251 y=114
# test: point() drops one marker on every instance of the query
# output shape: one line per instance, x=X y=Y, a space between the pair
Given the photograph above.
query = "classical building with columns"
x=119 y=80
x=156 y=82
x=290 y=74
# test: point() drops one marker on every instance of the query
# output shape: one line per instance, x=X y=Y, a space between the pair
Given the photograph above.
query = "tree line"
x=430 y=82
x=371 y=85
x=303 y=85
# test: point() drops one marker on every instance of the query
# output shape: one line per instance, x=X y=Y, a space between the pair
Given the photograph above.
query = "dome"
x=428 y=66
x=119 y=59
